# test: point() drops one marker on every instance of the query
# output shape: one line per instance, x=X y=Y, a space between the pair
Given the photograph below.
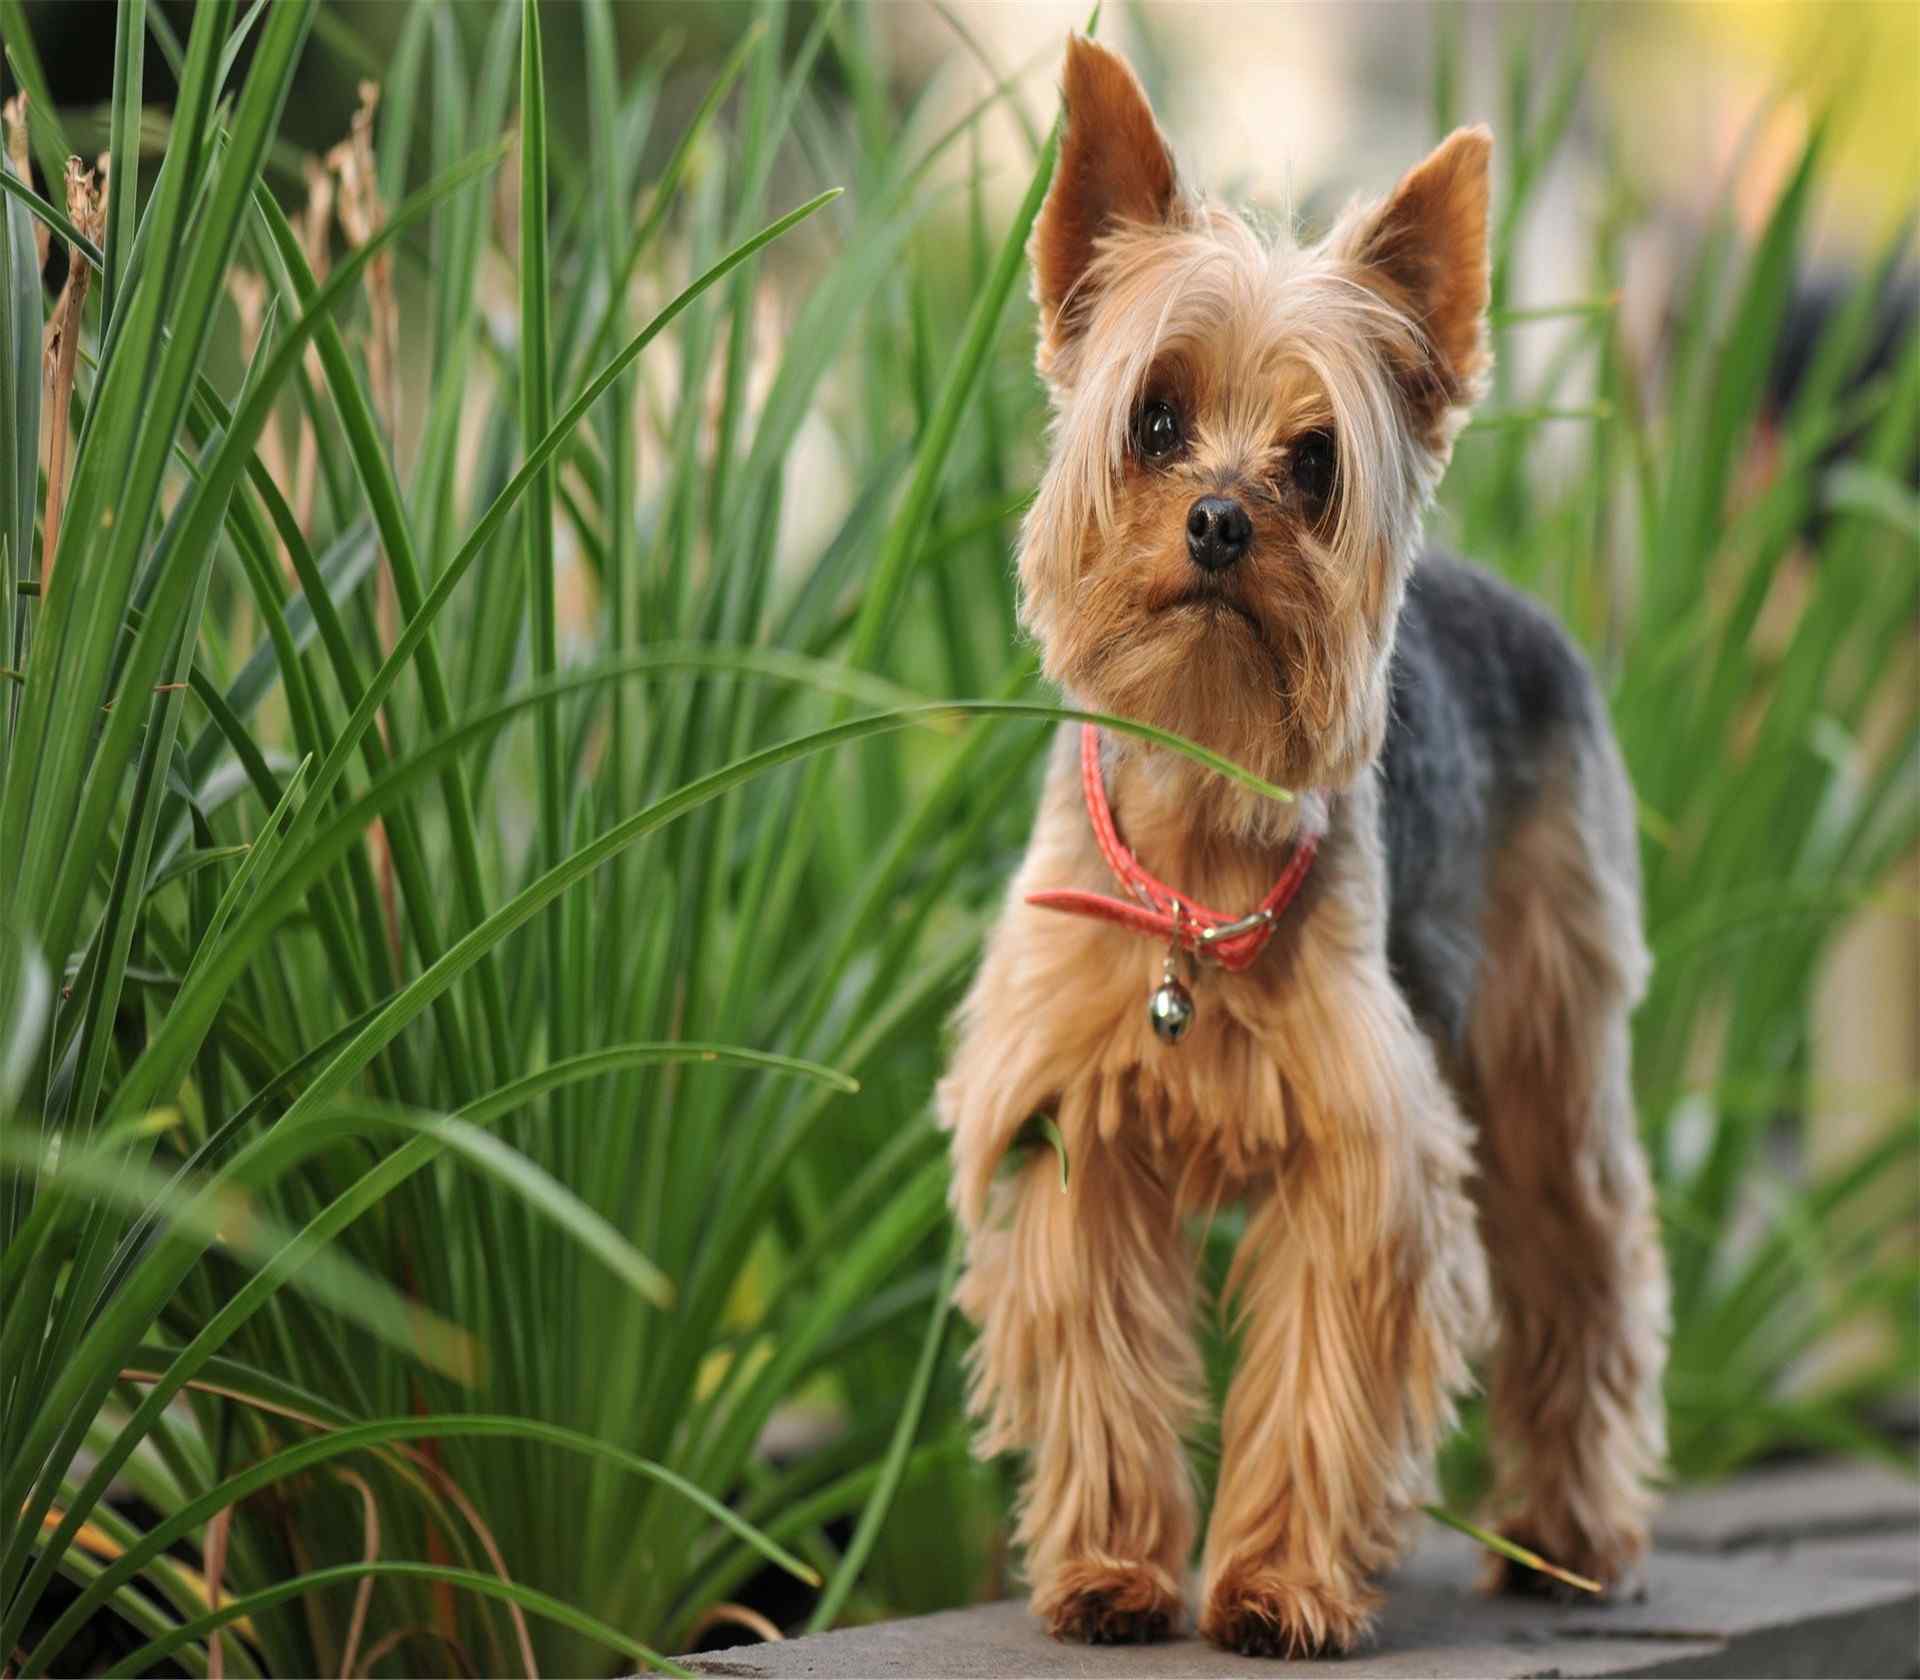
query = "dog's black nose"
x=1218 y=531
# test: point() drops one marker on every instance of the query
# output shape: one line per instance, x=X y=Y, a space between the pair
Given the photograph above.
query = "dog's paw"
x=1100 y=1604
x=1265 y=1614
x=1613 y=1565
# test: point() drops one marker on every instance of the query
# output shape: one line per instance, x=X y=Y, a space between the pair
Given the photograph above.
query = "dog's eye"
x=1313 y=461
x=1158 y=430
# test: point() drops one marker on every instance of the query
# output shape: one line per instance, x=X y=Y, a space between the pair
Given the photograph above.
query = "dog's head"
x=1246 y=434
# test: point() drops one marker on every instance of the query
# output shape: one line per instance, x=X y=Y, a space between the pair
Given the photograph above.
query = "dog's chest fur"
x=1488 y=697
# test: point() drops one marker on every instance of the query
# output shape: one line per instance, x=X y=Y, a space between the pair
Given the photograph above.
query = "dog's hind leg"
x=1567 y=1208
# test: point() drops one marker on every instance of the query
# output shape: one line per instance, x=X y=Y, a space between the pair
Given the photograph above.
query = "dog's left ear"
x=1115 y=168
x=1425 y=249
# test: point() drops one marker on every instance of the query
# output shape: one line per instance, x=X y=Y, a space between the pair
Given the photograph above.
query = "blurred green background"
x=449 y=893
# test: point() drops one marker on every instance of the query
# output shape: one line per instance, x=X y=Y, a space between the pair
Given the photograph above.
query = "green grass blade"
x=912 y=1408
x=536 y=420
x=47 y=134
x=21 y=325
x=123 y=146
x=1507 y=1549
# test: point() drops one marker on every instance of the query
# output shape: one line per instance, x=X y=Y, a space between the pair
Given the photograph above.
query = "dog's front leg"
x=1083 y=1294
x=1361 y=1292
x=1084 y=1298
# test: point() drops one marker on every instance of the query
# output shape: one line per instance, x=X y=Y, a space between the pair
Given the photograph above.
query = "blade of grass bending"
x=914 y=1406
x=141 y=1236
x=214 y=1212
x=98 y=988
x=236 y=43
x=544 y=1194
x=55 y=219
x=1507 y=1549
x=1041 y=1130
x=209 y=1214
x=144 y=1660
x=191 y=862
x=906 y=534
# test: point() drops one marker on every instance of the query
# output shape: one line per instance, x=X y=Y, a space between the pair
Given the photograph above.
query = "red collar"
x=1234 y=942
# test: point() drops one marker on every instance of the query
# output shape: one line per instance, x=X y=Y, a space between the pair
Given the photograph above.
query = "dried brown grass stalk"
x=218 y=1528
x=249 y=293
x=13 y=123
x=419 y=1631
x=86 y=205
x=402 y=1454
x=319 y=1628
x=363 y=1596
x=315 y=222
x=362 y=215
x=738 y=1615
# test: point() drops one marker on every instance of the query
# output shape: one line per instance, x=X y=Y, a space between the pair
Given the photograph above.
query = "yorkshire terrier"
x=1389 y=1015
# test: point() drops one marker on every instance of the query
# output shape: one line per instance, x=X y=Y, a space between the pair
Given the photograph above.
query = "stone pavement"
x=1790 y=1572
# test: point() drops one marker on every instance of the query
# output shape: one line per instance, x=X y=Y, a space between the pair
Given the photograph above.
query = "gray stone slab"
x=1773 y=1507
x=1730 y=1592
x=1819 y=1610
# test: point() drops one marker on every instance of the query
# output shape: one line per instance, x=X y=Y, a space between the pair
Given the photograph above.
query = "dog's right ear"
x=1115 y=167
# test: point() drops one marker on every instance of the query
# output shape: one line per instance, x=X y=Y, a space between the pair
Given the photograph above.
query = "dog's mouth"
x=1215 y=603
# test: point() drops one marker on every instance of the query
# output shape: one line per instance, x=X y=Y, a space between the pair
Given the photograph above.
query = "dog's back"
x=1493 y=710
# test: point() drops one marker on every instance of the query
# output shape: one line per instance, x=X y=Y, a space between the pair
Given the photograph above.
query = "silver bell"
x=1170 y=1009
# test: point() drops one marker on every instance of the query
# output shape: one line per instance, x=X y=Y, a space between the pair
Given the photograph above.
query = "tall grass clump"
x=499 y=789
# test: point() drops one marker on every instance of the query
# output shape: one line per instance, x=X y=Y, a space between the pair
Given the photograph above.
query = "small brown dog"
x=1442 y=927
